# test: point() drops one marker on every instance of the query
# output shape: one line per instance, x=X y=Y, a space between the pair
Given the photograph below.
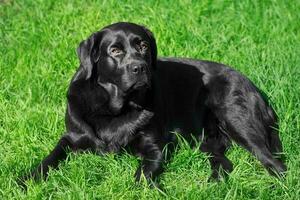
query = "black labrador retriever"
x=122 y=96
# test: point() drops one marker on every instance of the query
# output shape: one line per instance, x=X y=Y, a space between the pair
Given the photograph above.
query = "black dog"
x=122 y=96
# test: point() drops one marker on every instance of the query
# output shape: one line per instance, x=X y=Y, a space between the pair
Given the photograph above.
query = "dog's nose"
x=138 y=69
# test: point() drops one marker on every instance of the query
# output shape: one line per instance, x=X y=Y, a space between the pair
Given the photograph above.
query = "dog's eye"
x=116 y=51
x=143 y=46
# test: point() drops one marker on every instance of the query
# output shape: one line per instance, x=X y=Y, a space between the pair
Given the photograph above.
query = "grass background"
x=37 y=60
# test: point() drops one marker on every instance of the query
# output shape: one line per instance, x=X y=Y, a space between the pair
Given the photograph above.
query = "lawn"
x=38 y=58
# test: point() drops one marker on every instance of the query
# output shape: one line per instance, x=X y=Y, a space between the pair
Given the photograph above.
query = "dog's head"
x=123 y=54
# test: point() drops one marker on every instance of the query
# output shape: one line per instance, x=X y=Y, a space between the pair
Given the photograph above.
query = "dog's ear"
x=152 y=46
x=89 y=53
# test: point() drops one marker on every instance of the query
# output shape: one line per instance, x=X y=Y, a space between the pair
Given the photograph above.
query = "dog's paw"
x=218 y=176
x=33 y=176
x=21 y=181
x=141 y=177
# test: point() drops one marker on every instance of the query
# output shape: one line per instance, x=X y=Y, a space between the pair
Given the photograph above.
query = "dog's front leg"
x=152 y=157
x=79 y=136
x=70 y=141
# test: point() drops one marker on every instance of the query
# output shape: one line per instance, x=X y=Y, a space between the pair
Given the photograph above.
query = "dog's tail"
x=274 y=140
x=270 y=121
x=272 y=129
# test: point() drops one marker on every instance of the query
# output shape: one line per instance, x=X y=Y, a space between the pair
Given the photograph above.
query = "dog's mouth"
x=137 y=86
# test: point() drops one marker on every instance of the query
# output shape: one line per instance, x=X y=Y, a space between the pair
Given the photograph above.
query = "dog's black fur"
x=122 y=96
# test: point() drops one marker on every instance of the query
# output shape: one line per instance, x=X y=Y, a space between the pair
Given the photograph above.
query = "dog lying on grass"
x=123 y=96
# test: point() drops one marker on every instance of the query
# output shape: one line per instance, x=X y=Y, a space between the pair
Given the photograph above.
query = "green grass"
x=37 y=60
